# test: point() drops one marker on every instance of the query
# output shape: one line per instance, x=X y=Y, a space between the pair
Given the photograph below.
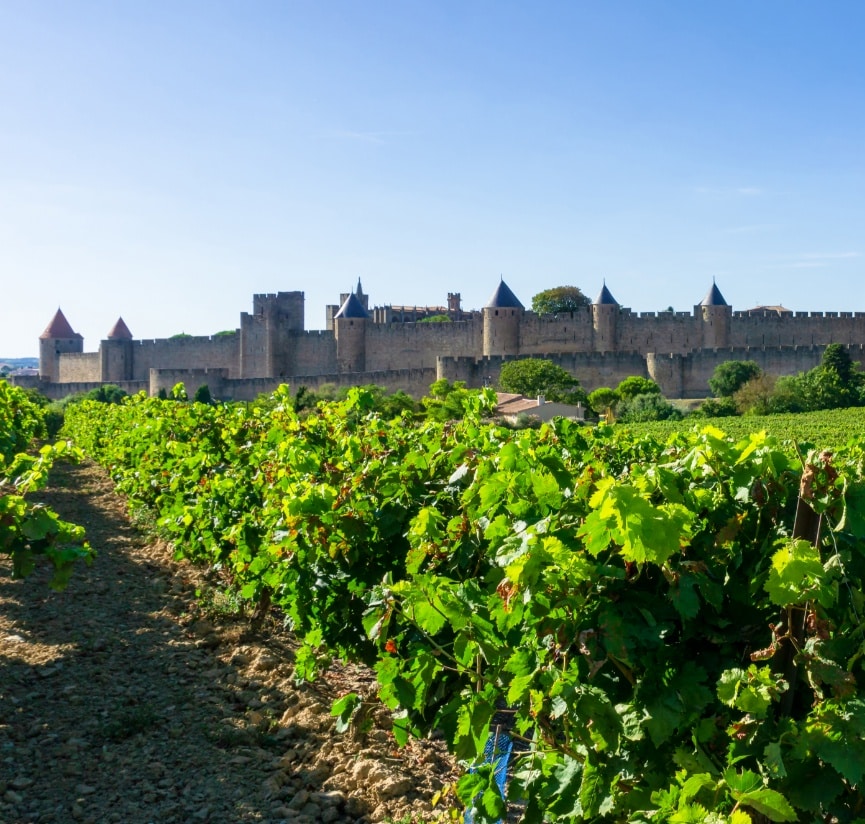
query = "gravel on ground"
x=127 y=698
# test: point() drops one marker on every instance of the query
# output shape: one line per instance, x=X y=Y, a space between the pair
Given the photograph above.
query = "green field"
x=829 y=429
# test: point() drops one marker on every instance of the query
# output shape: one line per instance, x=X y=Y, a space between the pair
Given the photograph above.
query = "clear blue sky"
x=165 y=160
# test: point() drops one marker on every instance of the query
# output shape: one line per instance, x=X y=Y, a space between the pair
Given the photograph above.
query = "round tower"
x=116 y=354
x=57 y=339
x=605 y=314
x=502 y=317
x=716 y=315
x=349 y=326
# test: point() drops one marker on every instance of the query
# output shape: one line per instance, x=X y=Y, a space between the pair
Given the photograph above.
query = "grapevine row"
x=30 y=531
x=630 y=605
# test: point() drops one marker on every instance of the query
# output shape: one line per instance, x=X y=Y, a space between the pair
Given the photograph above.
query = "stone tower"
x=605 y=312
x=349 y=326
x=265 y=334
x=116 y=354
x=502 y=317
x=57 y=339
x=716 y=315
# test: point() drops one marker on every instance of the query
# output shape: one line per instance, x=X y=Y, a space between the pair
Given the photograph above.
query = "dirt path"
x=121 y=701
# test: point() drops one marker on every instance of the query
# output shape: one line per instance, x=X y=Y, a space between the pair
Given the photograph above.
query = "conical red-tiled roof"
x=120 y=331
x=59 y=328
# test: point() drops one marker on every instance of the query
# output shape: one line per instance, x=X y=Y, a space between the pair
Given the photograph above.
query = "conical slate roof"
x=605 y=298
x=714 y=298
x=120 y=331
x=504 y=298
x=352 y=308
x=59 y=328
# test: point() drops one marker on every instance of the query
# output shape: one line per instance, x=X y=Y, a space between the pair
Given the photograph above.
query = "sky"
x=164 y=161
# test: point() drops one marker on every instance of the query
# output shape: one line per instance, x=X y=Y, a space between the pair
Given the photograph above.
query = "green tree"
x=538 y=376
x=446 y=400
x=559 y=299
x=435 y=319
x=107 y=393
x=717 y=408
x=603 y=398
x=837 y=359
x=821 y=388
x=760 y=396
x=729 y=377
x=650 y=406
x=202 y=394
x=635 y=385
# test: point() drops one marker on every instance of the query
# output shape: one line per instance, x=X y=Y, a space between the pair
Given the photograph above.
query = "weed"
x=128 y=722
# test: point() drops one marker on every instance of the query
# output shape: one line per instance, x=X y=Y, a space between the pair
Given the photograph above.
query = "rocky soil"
x=127 y=699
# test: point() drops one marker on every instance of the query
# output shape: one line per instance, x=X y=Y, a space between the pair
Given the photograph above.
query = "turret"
x=57 y=339
x=605 y=313
x=349 y=326
x=502 y=317
x=116 y=353
x=716 y=316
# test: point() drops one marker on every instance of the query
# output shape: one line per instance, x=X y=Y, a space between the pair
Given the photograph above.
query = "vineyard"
x=27 y=530
x=668 y=628
x=828 y=429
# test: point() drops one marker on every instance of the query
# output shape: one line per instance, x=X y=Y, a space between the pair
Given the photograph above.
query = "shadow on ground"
x=116 y=705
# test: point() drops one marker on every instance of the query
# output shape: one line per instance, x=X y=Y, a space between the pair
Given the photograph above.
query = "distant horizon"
x=165 y=162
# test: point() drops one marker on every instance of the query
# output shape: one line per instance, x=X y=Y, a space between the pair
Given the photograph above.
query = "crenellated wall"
x=697 y=368
x=312 y=353
x=570 y=332
x=592 y=369
x=164 y=380
x=600 y=345
x=57 y=391
x=416 y=345
x=78 y=367
x=217 y=352
x=796 y=329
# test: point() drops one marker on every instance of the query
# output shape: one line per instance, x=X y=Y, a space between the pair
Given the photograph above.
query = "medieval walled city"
x=392 y=346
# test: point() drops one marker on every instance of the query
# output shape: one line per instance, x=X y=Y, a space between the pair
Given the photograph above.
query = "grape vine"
x=667 y=643
x=28 y=530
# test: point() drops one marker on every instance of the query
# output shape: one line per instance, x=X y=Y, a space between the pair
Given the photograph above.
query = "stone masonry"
x=599 y=344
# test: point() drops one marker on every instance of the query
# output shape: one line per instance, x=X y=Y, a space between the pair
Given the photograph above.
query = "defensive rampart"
x=592 y=369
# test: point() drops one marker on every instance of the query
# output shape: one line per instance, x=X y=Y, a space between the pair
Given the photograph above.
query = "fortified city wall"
x=600 y=344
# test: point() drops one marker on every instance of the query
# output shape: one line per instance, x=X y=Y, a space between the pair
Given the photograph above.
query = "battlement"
x=314 y=334
x=599 y=344
x=186 y=340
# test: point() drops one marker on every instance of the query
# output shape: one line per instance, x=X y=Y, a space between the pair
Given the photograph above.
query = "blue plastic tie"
x=498 y=753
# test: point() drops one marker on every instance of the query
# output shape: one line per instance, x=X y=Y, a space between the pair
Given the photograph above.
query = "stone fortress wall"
x=600 y=344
